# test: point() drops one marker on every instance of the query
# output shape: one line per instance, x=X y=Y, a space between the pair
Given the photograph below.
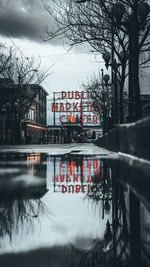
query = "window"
x=31 y=114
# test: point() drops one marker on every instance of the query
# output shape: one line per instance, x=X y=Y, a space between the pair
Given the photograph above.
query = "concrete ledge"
x=132 y=138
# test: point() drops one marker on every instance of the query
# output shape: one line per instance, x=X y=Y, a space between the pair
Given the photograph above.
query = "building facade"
x=34 y=129
x=23 y=113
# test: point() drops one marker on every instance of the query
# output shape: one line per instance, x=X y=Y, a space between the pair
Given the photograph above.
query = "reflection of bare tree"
x=89 y=258
x=113 y=249
x=15 y=214
x=101 y=189
x=20 y=200
x=116 y=237
x=115 y=246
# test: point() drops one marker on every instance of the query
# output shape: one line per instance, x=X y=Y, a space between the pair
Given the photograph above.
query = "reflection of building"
x=15 y=100
x=145 y=91
x=17 y=185
x=35 y=164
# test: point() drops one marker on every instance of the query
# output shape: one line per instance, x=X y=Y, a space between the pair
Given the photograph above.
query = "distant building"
x=34 y=125
x=54 y=134
x=23 y=120
x=145 y=99
x=145 y=92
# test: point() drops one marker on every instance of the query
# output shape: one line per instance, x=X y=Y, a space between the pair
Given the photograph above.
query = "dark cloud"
x=24 y=19
x=27 y=19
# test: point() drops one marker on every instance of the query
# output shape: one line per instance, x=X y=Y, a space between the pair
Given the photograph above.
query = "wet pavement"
x=58 y=149
x=57 y=206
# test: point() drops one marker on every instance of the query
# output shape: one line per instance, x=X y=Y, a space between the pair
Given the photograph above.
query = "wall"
x=133 y=138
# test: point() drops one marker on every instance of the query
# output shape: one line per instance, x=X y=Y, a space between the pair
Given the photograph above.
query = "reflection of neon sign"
x=34 y=157
x=76 y=176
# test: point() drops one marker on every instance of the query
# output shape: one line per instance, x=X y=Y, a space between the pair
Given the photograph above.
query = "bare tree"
x=29 y=76
x=6 y=55
x=105 y=28
x=91 y=23
x=22 y=78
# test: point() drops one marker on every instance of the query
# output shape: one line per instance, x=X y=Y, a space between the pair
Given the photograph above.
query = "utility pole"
x=130 y=97
x=112 y=71
x=115 y=92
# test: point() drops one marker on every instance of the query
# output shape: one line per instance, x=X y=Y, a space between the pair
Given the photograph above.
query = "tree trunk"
x=116 y=95
x=131 y=116
x=104 y=120
x=17 y=131
x=121 y=106
x=135 y=66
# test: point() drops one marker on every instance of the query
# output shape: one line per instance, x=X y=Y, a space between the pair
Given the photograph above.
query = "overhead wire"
x=42 y=56
x=62 y=54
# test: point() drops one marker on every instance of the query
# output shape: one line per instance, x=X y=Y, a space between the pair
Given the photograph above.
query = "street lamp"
x=105 y=101
x=114 y=84
x=106 y=79
x=108 y=233
x=106 y=56
x=118 y=11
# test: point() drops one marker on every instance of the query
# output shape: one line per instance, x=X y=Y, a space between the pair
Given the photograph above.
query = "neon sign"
x=82 y=105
